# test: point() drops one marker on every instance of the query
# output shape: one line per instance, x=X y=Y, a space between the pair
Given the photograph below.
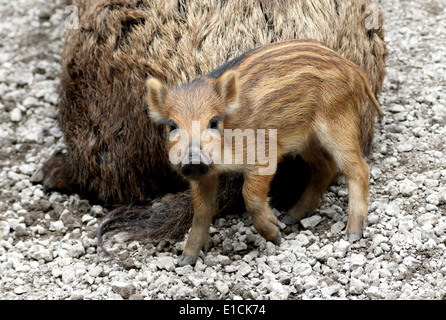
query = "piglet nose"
x=194 y=171
x=194 y=167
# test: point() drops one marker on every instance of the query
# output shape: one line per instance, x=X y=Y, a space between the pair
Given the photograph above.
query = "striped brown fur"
x=310 y=94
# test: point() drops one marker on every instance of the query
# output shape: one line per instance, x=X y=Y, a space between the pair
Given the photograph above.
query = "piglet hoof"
x=354 y=229
x=277 y=240
x=289 y=220
x=186 y=261
x=352 y=237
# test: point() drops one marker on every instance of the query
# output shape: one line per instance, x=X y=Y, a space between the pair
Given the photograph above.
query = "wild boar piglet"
x=288 y=98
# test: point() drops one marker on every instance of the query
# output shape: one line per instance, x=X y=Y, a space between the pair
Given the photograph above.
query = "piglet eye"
x=213 y=124
x=172 y=126
x=169 y=124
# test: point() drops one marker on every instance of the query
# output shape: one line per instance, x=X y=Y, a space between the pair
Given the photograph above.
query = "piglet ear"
x=156 y=94
x=227 y=87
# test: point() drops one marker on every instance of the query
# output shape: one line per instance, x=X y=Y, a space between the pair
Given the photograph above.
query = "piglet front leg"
x=255 y=194
x=204 y=193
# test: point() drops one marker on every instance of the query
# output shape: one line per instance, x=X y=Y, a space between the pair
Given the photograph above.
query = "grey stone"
x=357 y=259
x=356 y=286
x=341 y=248
x=378 y=239
x=68 y=275
x=222 y=287
x=95 y=271
x=408 y=187
x=324 y=253
x=76 y=250
x=337 y=227
x=42 y=253
x=311 y=222
x=4 y=229
x=16 y=115
x=376 y=173
x=277 y=291
x=124 y=289
x=165 y=263
x=393 y=209
x=433 y=198
x=244 y=269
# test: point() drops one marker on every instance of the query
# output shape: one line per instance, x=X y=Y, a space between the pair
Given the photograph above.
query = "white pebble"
x=393 y=209
x=357 y=259
x=20 y=290
x=27 y=169
x=324 y=253
x=310 y=282
x=277 y=291
x=375 y=173
x=222 y=287
x=311 y=222
x=4 y=229
x=43 y=253
x=15 y=115
x=433 y=199
x=341 y=248
x=302 y=269
x=244 y=269
x=337 y=227
x=407 y=187
x=76 y=250
x=96 y=209
x=165 y=263
x=431 y=183
x=356 y=286
x=378 y=239
x=68 y=275
x=95 y=271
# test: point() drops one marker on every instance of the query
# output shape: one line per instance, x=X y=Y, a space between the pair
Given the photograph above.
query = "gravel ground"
x=47 y=241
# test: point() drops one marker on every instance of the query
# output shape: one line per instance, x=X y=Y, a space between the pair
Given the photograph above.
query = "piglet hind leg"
x=342 y=142
x=357 y=178
x=204 y=193
x=255 y=194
